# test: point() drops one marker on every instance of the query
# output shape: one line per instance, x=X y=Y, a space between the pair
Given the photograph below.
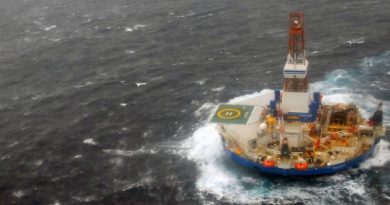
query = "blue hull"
x=308 y=172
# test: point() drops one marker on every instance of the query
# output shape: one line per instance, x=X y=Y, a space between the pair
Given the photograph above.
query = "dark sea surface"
x=106 y=102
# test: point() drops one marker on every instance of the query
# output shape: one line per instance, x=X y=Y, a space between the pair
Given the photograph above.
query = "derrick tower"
x=296 y=97
x=295 y=70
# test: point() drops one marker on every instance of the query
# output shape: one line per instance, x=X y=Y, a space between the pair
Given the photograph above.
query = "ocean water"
x=107 y=102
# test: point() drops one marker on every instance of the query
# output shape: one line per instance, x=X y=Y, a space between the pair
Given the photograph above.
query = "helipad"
x=234 y=114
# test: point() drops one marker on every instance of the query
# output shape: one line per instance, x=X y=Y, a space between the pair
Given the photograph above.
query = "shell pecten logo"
x=229 y=113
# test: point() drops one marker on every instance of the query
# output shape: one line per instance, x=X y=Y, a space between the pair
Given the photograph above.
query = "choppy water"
x=106 y=102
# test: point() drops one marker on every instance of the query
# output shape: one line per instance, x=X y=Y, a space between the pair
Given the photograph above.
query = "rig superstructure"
x=290 y=131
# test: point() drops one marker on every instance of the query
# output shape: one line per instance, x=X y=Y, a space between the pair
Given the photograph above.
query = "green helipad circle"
x=229 y=113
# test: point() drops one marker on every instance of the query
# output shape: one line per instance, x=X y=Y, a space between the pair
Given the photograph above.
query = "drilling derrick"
x=296 y=96
x=295 y=70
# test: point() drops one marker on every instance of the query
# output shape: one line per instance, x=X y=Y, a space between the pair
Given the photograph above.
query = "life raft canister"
x=269 y=163
x=238 y=151
x=301 y=165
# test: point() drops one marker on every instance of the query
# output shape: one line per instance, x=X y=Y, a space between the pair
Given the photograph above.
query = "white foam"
x=380 y=158
x=130 y=153
x=90 y=141
x=116 y=161
x=6 y=156
x=337 y=98
x=13 y=144
x=186 y=15
x=38 y=162
x=18 y=193
x=200 y=82
x=140 y=84
x=206 y=150
x=129 y=51
x=207 y=15
x=50 y=27
x=77 y=156
x=386 y=196
x=85 y=198
x=36 y=97
x=388 y=73
x=56 y=203
x=218 y=89
x=147 y=179
x=88 y=83
x=123 y=104
x=355 y=41
x=135 y=27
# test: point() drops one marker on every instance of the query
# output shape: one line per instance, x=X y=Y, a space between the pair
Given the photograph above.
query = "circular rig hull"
x=315 y=171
